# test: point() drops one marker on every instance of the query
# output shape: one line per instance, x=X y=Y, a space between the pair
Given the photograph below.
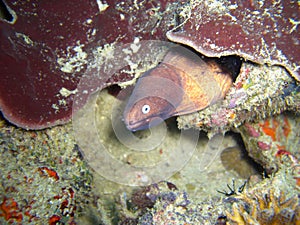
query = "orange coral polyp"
x=10 y=210
x=270 y=130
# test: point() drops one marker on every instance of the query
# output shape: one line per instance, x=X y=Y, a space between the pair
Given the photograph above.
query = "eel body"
x=182 y=83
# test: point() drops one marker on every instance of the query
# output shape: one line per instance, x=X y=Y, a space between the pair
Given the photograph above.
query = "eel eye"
x=145 y=109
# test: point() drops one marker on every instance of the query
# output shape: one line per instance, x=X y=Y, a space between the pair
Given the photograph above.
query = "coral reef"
x=274 y=200
x=43 y=177
x=274 y=142
x=255 y=96
x=265 y=209
x=48 y=163
x=175 y=207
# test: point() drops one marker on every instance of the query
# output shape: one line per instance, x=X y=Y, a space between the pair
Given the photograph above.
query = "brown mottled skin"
x=181 y=84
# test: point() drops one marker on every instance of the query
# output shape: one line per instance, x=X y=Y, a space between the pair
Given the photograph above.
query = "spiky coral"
x=265 y=208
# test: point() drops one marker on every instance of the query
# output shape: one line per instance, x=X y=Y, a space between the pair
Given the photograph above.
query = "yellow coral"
x=265 y=209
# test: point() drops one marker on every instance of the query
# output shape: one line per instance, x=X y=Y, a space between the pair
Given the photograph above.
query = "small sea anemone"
x=265 y=208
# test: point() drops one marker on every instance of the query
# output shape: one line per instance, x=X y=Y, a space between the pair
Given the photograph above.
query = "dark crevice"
x=5 y=12
x=231 y=63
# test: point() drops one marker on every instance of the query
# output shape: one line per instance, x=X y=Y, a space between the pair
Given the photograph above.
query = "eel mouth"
x=143 y=124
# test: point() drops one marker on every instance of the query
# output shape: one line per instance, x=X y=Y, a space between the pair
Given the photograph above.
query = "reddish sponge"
x=31 y=40
x=260 y=31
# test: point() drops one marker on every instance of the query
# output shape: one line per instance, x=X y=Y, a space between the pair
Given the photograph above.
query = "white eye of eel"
x=145 y=109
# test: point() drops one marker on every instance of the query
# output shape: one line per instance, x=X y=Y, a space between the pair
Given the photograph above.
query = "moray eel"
x=181 y=84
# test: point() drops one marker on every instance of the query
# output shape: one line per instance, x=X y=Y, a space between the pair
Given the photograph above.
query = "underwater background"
x=67 y=70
